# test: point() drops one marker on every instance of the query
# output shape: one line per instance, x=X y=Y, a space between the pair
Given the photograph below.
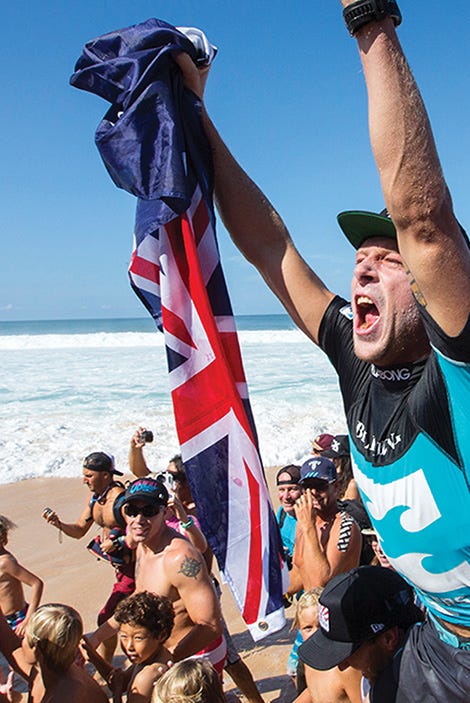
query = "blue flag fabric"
x=154 y=146
x=142 y=138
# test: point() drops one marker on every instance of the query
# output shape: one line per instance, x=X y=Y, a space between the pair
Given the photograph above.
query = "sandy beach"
x=71 y=575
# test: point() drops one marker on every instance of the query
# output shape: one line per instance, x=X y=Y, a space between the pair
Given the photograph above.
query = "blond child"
x=145 y=622
x=47 y=655
x=189 y=681
x=12 y=577
x=334 y=685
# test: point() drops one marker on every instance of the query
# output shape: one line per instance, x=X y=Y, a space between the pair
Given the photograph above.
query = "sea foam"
x=66 y=395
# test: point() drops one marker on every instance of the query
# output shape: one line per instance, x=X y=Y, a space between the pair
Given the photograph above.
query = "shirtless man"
x=363 y=618
x=328 y=541
x=185 y=521
x=167 y=564
x=98 y=475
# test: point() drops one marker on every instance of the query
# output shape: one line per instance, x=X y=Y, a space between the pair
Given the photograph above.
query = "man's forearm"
x=400 y=131
x=137 y=463
x=35 y=596
x=104 y=632
x=249 y=217
x=314 y=566
x=199 y=637
x=74 y=530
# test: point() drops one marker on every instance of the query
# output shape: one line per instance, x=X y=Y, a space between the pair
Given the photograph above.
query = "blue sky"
x=286 y=93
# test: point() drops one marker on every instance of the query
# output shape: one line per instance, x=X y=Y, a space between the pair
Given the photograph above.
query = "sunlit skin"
x=308 y=621
x=181 y=486
x=143 y=529
x=288 y=493
x=382 y=559
x=97 y=481
x=387 y=326
x=332 y=685
x=371 y=658
x=138 y=643
x=323 y=496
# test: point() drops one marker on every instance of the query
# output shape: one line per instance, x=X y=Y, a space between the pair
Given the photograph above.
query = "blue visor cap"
x=318 y=467
x=147 y=489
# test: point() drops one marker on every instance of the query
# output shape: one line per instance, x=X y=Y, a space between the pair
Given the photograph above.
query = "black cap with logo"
x=353 y=608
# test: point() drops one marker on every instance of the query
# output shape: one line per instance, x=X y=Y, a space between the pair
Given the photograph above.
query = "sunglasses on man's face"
x=316 y=485
x=178 y=476
x=132 y=510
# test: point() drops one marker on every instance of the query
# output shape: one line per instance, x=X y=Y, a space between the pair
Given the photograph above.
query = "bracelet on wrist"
x=362 y=12
x=188 y=524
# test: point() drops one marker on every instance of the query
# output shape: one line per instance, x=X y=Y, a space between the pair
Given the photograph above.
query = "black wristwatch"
x=362 y=12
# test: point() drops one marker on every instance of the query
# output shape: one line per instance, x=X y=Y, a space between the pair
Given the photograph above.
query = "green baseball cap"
x=359 y=225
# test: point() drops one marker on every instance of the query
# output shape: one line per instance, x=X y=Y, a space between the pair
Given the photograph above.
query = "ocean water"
x=71 y=387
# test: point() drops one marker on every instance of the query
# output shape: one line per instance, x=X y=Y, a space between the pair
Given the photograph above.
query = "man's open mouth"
x=367 y=313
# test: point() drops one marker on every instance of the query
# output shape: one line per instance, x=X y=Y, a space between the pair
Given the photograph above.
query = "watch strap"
x=362 y=12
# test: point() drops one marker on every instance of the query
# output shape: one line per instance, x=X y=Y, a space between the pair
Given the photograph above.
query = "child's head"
x=54 y=632
x=189 y=681
x=145 y=622
x=5 y=526
x=306 y=615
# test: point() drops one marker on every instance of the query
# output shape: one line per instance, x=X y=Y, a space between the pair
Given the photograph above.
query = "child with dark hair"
x=145 y=623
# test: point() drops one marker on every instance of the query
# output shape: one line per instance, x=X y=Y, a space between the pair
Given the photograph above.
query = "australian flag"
x=154 y=146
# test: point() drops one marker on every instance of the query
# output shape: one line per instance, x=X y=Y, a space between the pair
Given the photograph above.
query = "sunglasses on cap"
x=148 y=510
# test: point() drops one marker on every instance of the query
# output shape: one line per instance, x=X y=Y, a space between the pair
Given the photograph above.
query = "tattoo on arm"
x=415 y=289
x=190 y=567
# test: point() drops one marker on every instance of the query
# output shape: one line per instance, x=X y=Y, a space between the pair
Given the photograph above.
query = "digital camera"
x=146 y=436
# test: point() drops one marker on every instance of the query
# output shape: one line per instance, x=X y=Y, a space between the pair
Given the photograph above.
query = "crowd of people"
x=165 y=604
x=351 y=538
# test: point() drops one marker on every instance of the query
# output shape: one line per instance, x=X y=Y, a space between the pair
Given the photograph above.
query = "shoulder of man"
x=182 y=560
x=114 y=491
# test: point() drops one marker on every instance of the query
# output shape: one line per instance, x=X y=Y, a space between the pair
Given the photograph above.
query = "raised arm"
x=413 y=184
x=137 y=463
x=258 y=230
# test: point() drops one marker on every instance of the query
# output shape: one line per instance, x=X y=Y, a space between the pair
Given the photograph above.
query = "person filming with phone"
x=181 y=514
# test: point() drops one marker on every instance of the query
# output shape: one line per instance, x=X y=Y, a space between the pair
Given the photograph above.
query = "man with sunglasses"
x=99 y=473
x=328 y=540
x=185 y=521
x=168 y=565
x=182 y=516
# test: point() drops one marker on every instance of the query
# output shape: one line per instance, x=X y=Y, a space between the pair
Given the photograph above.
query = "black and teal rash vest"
x=410 y=443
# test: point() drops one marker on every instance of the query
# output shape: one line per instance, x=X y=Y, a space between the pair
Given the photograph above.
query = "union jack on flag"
x=176 y=271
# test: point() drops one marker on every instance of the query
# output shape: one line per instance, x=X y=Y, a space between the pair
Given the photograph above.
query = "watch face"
x=364 y=11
